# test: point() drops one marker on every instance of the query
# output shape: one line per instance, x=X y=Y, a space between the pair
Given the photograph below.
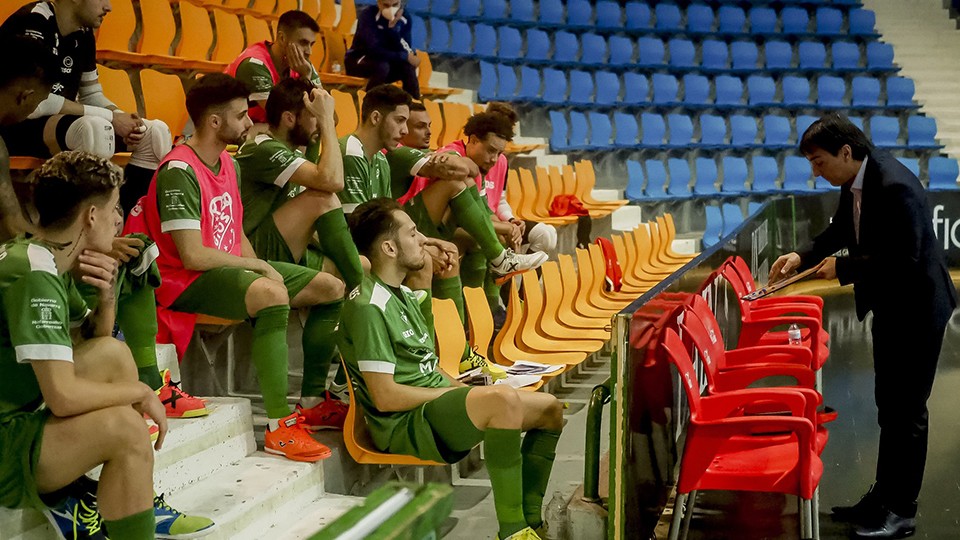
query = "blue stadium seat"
x=578 y=130
x=656 y=180
x=439 y=36
x=621 y=50
x=865 y=93
x=581 y=88
x=765 y=173
x=776 y=132
x=506 y=82
x=921 y=132
x=681 y=130
x=488 y=82
x=715 y=56
x=682 y=53
x=820 y=184
x=594 y=49
x=900 y=92
x=803 y=122
x=609 y=16
x=494 y=10
x=521 y=11
x=796 y=91
x=885 y=131
x=461 y=39
x=416 y=6
x=418 y=33
x=551 y=13
x=729 y=91
x=579 y=14
x=880 y=56
x=635 y=181
x=627 y=130
x=734 y=175
x=637 y=15
x=846 y=56
x=761 y=90
x=538 y=46
x=943 y=173
x=830 y=92
x=713 y=131
x=862 y=22
x=651 y=52
x=509 y=38
x=679 y=177
x=441 y=8
x=705 y=182
x=778 y=56
x=636 y=88
x=744 y=55
x=732 y=218
x=654 y=130
x=699 y=19
x=668 y=17
x=608 y=88
x=665 y=89
x=796 y=174
x=829 y=21
x=468 y=10
x=857 y=121
x=812 y=55
x=743 y=131
x=558 y=131
x=554 y=86
x=912 y=164
x=566 y=48
x=696 y=90
x=763 y=20
x=730 y=20
x=601 y=131
x=753 y=207
x=714 y=228
x=796 y=20
x=530 y=83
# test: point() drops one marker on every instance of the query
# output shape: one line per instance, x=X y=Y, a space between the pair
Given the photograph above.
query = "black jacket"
x=898 y=265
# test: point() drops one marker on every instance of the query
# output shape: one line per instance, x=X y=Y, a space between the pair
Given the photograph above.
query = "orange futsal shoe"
x=178 y=403
x=293 y=441
x=328 y=414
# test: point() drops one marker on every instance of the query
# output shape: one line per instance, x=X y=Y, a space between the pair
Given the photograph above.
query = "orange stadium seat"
x=509 y=348
x=284 y=6
x=258 y=29
x=531 y=201
x=586 y=179
x=335 y=46
x=514 y=193
x=436 y=118
x=348 y=18
x=164 y=99
x=348 y=117
x=598 y=266
x=9 y=7
x=670 y=235
x=455 y=116
x=229 y=36
x=117 y=88
x=116 y=32
x=479 y=320
x=327 y=13
x=543 y=333
x=555 y=293
x=264 y=8
x=450 y=337
x=591 y=285
x=196 y=34
x=629 y=282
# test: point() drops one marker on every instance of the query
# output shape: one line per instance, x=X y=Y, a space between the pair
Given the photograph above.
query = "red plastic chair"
x=746 y=277
x=724 y=452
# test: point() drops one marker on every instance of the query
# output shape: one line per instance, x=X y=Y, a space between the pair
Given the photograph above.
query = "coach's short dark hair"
x=371 y=221
x=286 y=96
x=385 y=99
x=211 y=92
x=68 y=180
x=498 y=119
x=293 y=20
x=831 y=132
x=27 y=59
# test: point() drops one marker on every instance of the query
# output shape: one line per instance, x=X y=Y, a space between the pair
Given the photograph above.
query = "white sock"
x=499 y=258
x=273 y=424
x=308 y=402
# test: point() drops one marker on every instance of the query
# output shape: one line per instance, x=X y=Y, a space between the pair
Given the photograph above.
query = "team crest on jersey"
x=136 y=210
x=67 y=64
x=221 y=213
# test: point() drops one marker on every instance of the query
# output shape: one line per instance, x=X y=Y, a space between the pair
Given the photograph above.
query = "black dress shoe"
x=862 y=512
x=890 y=526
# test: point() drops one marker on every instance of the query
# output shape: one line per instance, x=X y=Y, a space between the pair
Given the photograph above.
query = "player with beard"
x=207 y=265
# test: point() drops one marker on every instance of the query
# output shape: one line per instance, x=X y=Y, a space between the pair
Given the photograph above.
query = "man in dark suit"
x=899 y=272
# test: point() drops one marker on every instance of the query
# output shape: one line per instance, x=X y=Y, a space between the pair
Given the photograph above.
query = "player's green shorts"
x=438 y=430
x=269 y=245
x=21 y=434
x=421 y=218
x=221 y=292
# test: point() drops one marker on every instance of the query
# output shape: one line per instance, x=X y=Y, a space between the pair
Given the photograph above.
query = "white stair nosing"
x=333 y=507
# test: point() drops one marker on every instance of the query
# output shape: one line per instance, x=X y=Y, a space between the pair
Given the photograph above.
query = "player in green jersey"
x=411 y=407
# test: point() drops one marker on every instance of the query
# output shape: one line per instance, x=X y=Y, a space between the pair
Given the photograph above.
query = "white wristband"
x=90 y=110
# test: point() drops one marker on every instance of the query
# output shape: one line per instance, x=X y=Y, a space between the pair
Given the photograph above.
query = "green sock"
x=338 y=245
x=473 y=219
x=451 y=288
x=492 y=291
x=473 y=269
x=319 y=347
x=502 y=451
x=269 y=353
x=139 y=526
x=137 y=316
x=539 y=449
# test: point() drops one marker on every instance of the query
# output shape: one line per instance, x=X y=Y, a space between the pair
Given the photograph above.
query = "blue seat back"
x=862 y=22
x=636 y=88
x=830 y=91
x=488 y=82
x=696 y=89
x=682 y=53
x=439 y=36
x=609 y=16
x=551 y=12
x=681 y=129
x=554 y=86
x=637 y=15
x=879 y=56
x=651 y=51
x=900 y=92
x=461 y=38
x=803 y=122
x=627 y=129
x=579 y=13
x=714 y=54
x=635 y=180
x=778 y=55
x=522 y=11
x=600 y=129
x=714 y=228
x=797 y=174
x=558 y=131
x=594 y=49
x=765 y=173
x=530 y=83
x=812 y=55
x=705 y=182
x=566 y=47
x=665 y=88
x=921 y=131
x=846 y=55
x=621 y=50
x=668 y=16
x=732 y=217
x=857 y=121
x=507 y=82
x=729 y=90
x=607 y=88
x=744 y=55
x=511 y=42
x=679 y=177
x=414 y=6
x=495 y=10
x=713 y=130
x=761 y=90
x=441 y=8
x=578 y=129
x=829 y=21
x=743 y=130
x=468 y=9
x=943 y=172
x=763 y=20
x=884 y=131
x=418 y=33
x=796 y=20
x=796 y=90
x=730 y=20
x=734 y=175
x=656 y=179
x=912 y=164
x=538 y=45
x=699 y=19
x=581 y=88
x=865 y=92
x=654 y=129
x=776 y=130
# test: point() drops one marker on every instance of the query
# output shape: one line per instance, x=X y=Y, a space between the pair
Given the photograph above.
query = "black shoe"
x=862 y=512
x=890 y=525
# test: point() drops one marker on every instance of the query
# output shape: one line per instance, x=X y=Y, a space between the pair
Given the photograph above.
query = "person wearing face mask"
x=381 y=49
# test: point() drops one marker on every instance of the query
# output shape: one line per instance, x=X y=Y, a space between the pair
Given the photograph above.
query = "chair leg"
x=818 y=383
x=806 y=519
x=816 y=514
x=679 y=502
x=688 y=514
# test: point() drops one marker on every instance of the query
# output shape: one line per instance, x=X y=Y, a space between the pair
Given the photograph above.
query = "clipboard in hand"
x=783 y=283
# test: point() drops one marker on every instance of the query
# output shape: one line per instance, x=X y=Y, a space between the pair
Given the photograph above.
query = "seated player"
x=440 y=209
x=381 y=50
x=53 y=394
x=76 y=115
x=193 y=211
x=413 y=408
x=290 y=205
x=263 y=65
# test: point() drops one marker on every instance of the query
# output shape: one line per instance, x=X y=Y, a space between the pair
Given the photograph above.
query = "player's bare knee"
x=553 y=415
x=127 y=430
x=505 y=402
x=264 y=293
x=322 y=288
x=115 y=357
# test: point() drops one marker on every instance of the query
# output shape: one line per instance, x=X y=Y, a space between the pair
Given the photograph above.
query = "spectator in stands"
x=76 y=115
x=25 y=81
x=193 y=211
x=292 y=215
x=88 y=388
x=381 y=49
x=263 y=65
x=413 y=408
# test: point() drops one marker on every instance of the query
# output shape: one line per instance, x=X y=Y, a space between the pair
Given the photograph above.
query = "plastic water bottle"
x=336 y=68
x=793 y=334
x=556 y=516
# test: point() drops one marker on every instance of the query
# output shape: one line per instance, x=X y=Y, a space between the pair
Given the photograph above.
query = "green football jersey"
x=363 y=179
x=266 y=166
x=253 y=73
x=382 y=330
x=34 y=320
x=405 y=162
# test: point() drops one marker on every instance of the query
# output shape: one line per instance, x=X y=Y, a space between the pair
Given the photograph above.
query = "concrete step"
x=326 y=511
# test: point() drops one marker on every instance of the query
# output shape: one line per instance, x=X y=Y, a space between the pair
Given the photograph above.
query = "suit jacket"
x=897 y=266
